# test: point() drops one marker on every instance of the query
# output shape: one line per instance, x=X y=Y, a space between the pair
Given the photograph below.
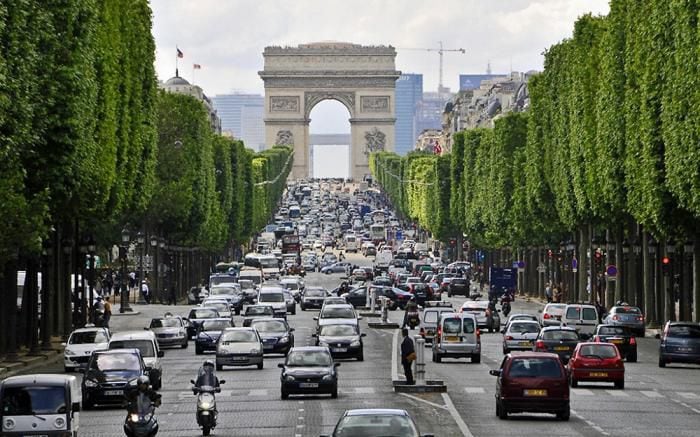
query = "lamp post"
x=154 y=268
x=67 y=247
x=140 y=239
x=47 y=279
x=161 y=279
x=91 y=247
x=124 y=284
x=82 y=252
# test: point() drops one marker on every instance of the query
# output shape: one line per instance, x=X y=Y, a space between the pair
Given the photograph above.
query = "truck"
x=502 y=281
x=291 y=244
x=383 y=259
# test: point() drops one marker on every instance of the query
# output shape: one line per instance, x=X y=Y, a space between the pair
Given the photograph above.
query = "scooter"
x=141 y=422
x=206 y=406
x=412 y=319
x=505 y=307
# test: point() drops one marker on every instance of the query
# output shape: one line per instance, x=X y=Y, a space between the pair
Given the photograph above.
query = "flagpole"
x=176 y=56
x=192 y=74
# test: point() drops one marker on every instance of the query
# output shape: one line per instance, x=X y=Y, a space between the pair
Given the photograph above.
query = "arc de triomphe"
x=360 y=77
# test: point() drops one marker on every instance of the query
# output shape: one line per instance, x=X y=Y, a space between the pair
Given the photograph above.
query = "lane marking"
x=617 y=393
x=688 y=395
x=364 y=390
x=394 y=358
x=416 y=398
x=474 y=390
x=582 y=391
x=258 y=392
x=651 y=394
x=455 y=415
x=590 y=423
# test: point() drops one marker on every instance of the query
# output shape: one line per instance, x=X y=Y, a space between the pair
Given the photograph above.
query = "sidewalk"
x=26 y=362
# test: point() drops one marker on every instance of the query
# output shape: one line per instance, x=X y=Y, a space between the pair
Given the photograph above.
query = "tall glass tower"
x=409 y=92
x=242 y=115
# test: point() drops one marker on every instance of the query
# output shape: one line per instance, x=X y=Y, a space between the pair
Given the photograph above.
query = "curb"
x=430 y=386
x=27 y=363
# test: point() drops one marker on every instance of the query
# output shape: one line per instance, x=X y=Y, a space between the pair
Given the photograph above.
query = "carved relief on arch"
x=311 y=98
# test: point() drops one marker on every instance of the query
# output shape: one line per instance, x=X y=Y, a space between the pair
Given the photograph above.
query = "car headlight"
x=355 y=343
x=328 y=378
x=289 y=378
x=90 y=383
x=134 y=417
x=284 y=339
x=69 y=352
x=255 y=351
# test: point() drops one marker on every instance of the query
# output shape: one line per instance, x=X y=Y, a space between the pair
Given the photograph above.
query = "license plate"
x=114 y=392
x=268 y=346
x=616 y=341
x=561 y=348
x=535 y=392
x=308 y=385
x=339 y=349
x=525 y=343
x=451 y=338
x=239 y=358
x=598 y=374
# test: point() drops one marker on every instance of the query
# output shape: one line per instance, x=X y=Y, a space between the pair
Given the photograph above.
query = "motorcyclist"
x=206 y=376
x=344 y=288
x=142 y=386
x=411 y=307
x=341 y=256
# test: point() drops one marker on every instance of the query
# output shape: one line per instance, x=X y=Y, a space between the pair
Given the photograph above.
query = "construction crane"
x=441 y=52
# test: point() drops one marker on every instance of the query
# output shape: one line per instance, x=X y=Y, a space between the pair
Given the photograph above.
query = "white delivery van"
x=352 y=243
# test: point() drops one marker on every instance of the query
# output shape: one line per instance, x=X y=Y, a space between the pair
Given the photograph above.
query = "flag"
x=196 y=66
x=438 y=149
x=179 y=53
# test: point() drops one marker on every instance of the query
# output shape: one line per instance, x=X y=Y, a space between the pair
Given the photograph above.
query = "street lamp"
x=123 y=251
x=91 y=247
x=82 y=249
x=140 y=239
x=154 y=267
x=67 y=247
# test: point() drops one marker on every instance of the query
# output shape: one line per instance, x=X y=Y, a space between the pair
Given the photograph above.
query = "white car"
x=81 y=343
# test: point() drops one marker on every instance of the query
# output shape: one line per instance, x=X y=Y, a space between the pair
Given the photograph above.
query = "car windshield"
x=214 y=280
x=535 y=368
x=238 y=337
x=33 y=400
x=145 y=346
x=559 y=335
x=245 y=283
x=525 y=328
x=308 y=358
x=269 y=326
x=258 y=311
x=338 y=330
x=314 y=293
x=557 y=310
x=88 y=337
x=685 y=331
x=338 y=313
x=430 y=317
x=221 y=307
x=165 y=323
x=119 y=361
x=222 y=291
x=614 y=330
x=215 y=325
x=271 y=297
x=204 y=314
x=376 y=425
x=599 y=351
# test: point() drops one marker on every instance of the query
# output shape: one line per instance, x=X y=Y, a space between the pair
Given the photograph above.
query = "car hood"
x=166 y=330
x=86 y=348
x=112 y=375
x=214 y=335
x=307 y=371
x=274 y=335
x=338 y=339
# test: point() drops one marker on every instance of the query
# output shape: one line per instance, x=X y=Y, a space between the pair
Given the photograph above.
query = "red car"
x=599 y=362
x=532 y=382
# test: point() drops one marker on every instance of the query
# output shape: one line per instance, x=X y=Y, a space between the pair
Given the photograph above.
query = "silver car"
x=239 y=347
x=551 y=314
x=520 y=335
x=628 y=316
x=170 y=331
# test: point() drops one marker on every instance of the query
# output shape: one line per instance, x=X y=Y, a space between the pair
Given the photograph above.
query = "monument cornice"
x=287 y=120
x=329 y=48
x=265 y=74
x=383 y=120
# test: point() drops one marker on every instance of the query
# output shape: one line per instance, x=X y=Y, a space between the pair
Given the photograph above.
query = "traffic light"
x=666 y=265
x=549 y=253
x=598 y=258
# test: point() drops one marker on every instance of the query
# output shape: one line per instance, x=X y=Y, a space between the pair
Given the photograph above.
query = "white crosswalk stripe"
x=617 y=393
x=651 y=394
x=364 y=390
x=474 y=390
x=582 y=391
x=258 y=392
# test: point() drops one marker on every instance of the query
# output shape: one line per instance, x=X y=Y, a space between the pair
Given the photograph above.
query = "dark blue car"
x=208 y=334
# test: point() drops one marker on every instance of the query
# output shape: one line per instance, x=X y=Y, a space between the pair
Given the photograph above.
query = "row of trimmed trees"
x=603 y=170
x=89 y=146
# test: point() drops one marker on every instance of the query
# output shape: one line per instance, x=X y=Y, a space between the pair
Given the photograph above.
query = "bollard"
x=420 y=360
x=367 y=298
x=373 y=299
x=385 y=310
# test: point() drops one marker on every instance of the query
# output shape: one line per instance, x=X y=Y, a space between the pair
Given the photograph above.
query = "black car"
x=107 y=374
x=680 y=343
x=399 y=298
x=620 y=336
x=253 y=312
x=277 y=337
x=208 y=334
x=458 y=286
x=309 y=370
x=313 y=298
x=196 y=316
x=422 y=293
x=233 y=296
x=343 y=340
x=561 y=340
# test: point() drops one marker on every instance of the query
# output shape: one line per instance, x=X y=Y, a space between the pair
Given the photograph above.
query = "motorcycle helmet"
x=143 y=382
x=208 y=363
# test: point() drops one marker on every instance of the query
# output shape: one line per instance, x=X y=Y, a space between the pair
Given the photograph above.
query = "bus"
x=294 y=212
x=377 y=232
x=290 y=243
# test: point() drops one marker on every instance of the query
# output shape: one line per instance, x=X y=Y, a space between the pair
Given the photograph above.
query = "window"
x=627 y=310
x=599 y=351
x=452 y=326
x=215 y=325
x=468 y=326
x=560 y=335
x=203 y=314
x=590 y=314
x=35 y=400
x=88 y=337
x=338 y=330
x=269 y=325
x=534 y=368
x=338 y=313
x=430 y=316
x=145 y=346
x=271 y=297
x=573 y=313
x=239 y=337
x=525 y=328
x=685 y=331
x=165 y=323
x=371 y=425
x=116 y=361
x=308 y=358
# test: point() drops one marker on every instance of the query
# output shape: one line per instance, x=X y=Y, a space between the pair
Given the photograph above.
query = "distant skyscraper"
x=242 y=115
x=429 y=111
x=473 y=81
x=409 y=92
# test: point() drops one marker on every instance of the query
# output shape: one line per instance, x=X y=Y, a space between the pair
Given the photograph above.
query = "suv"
x=457 y=336
x=582 y=317
x=146 y=343
x=680 y=342
x=532 y=382
x=458 y=286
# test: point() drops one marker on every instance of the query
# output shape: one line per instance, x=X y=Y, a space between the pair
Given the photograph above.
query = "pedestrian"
x=132 y=280
x=408 y=355
x=107 y=312
x=548 y=292
x=145 y=292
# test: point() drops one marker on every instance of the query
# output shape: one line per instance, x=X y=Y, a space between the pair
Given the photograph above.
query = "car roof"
x=309 y=349
x=530 y=354
x=239 y=328
x=558 y=328
x=91 y=329
x=376 y=412
x=133 y=335
x=121 y=350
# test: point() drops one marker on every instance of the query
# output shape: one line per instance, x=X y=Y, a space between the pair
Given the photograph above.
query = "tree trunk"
x=584 y=245
x=696 y=279
x=620 y=263
x=32 y=286
x=10 y=286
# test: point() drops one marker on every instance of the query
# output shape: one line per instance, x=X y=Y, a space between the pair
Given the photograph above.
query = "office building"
x=473 y=81
x=179 y=85
x=429 y=111
x=242 y=116
x=409 y=92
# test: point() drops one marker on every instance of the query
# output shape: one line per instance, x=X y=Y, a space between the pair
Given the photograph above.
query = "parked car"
x=376 y=422
x=343 y=340
x=560 y=340
x=532 y=382
x=277 y=336
x=680 y=343
x=239 y=347
x=208 y=332
x=81 y=344
x=309 y=370
x=107 y=374
x=597 y=362
x=620 y=336
x=520 y=335
x=627 y=316
x=170 y=331
x=457 y=337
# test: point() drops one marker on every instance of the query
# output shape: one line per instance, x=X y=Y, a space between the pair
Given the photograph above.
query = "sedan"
x=313 y=298
x=376 y=422
x=598 y=362
x=220 y=305
x=458 y=286
x=277 y=337
x=309 y=370
x=196 y=316
x=620 y=336
x=628 y=316
x=559 y=340
x=239 y=347
x=253 y=312
x=343 y=340
x=169 y=331
x=290 y=301
x=81 y=344
x=551 y=314
x=339 y=267
x=520 y=335
x=208 y=334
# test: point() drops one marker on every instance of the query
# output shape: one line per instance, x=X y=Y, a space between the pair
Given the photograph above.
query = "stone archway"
x=360 y=77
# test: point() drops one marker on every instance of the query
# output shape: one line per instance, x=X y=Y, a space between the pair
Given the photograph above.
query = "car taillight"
x=616 y=317
x=632 y=341
x=640 y=318
x=540 y=345
x=478 y=335
x=546 y=316
x=508 y=337
x=439 y=331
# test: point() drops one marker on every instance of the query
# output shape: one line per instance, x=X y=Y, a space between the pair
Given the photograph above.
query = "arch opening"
x=329 y=139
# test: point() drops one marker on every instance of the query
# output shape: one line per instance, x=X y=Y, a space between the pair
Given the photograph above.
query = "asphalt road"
x=655 y=401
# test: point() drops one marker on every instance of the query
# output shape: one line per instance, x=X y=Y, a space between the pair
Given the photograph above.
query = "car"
x=277 y=337
x=532 y=382
x=597 y=362
x=309 y=370
x=253 y=312
x=334 y=300
x=310 y=264
x=560 y=340
x=274 y=297
x=249 y=290
x=620 y=336
x=196 y=316
x=397 y=298
x=583 y=317
x=239 y=347
x=478 y=308
x=81 y=344
x=107 y=374
x=458 y=286
x=519 y=316
x=343 y=340
x=628 y=316
x=334 y=314
x=457 y=337
x=290 y=301
x=359 y=275
x=338 y=267
x=680 y=343
x=313 y=298
x=208 y=332
x=147 y=344
x=422 y=292
x=170 y=331
x=430 y=318
x=376 y=422
x=520 y=335
x=551 y=314
x=220 y=305
x=233 y=294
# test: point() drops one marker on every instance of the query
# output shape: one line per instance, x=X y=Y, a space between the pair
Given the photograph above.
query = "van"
x=457 y=336
x=40 y=405
x=274 y=297
x=351 y=243
x=253 y=275
x=582 y=317
x=430 y=318
x=147 y=344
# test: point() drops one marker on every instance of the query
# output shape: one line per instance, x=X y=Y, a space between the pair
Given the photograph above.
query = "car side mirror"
x=314 y=335
x=145 y=329
x=280 y=365
x=148 y=368
x=496 y=372
x=161 y=354
x=222 y=381
x=291 y=329
x=363 y=335
x=316 y=318
x=192 y=382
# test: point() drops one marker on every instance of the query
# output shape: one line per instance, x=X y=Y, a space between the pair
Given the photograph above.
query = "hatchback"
x=597 y=362
x=680 y=343
x=532 y=382
x=457 y=336
x=375 y=423
x=551 y=314
x=520 y=335
x=309 y=370
x=239 y=347
x=559 y=340
x=81 y=343
x=620 y=336
x=627 y=316
x=277 y=337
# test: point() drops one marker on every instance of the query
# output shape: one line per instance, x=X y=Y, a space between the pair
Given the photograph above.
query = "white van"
x=352 y=243
x=457 y=337
x=251 y=274
x=582 y=317
x=274 y=297
x=146 y=342
x=53 y=399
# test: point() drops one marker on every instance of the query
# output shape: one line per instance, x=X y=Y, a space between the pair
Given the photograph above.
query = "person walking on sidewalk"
x=107 y=312
x=548 y=292
x=408 y=355
x=145 y=292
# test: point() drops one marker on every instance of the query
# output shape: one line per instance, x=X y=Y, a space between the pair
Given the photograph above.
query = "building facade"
x=409 y=93
x=179 y=85
x=242 y=117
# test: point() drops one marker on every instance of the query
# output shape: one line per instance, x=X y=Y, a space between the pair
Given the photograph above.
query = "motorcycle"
x=140 y=419
x=412 y=319
x=505 y=307
x=206 y=406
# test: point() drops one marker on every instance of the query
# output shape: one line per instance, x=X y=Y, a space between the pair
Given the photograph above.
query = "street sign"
x=574 y=265
x=611 y=272
x=521 y=264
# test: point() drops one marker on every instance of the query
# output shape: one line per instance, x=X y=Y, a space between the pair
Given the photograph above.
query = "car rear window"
x=525 y=327
x=573 y=312
x=145 y=346
x=535 y=368
x=627 y=310
x=557 y=310
x=559 y=335
x=613 y=330
x=451 y=326
x=589 y=314
x=599 y=351
x=684 y=331
x=430 y=316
